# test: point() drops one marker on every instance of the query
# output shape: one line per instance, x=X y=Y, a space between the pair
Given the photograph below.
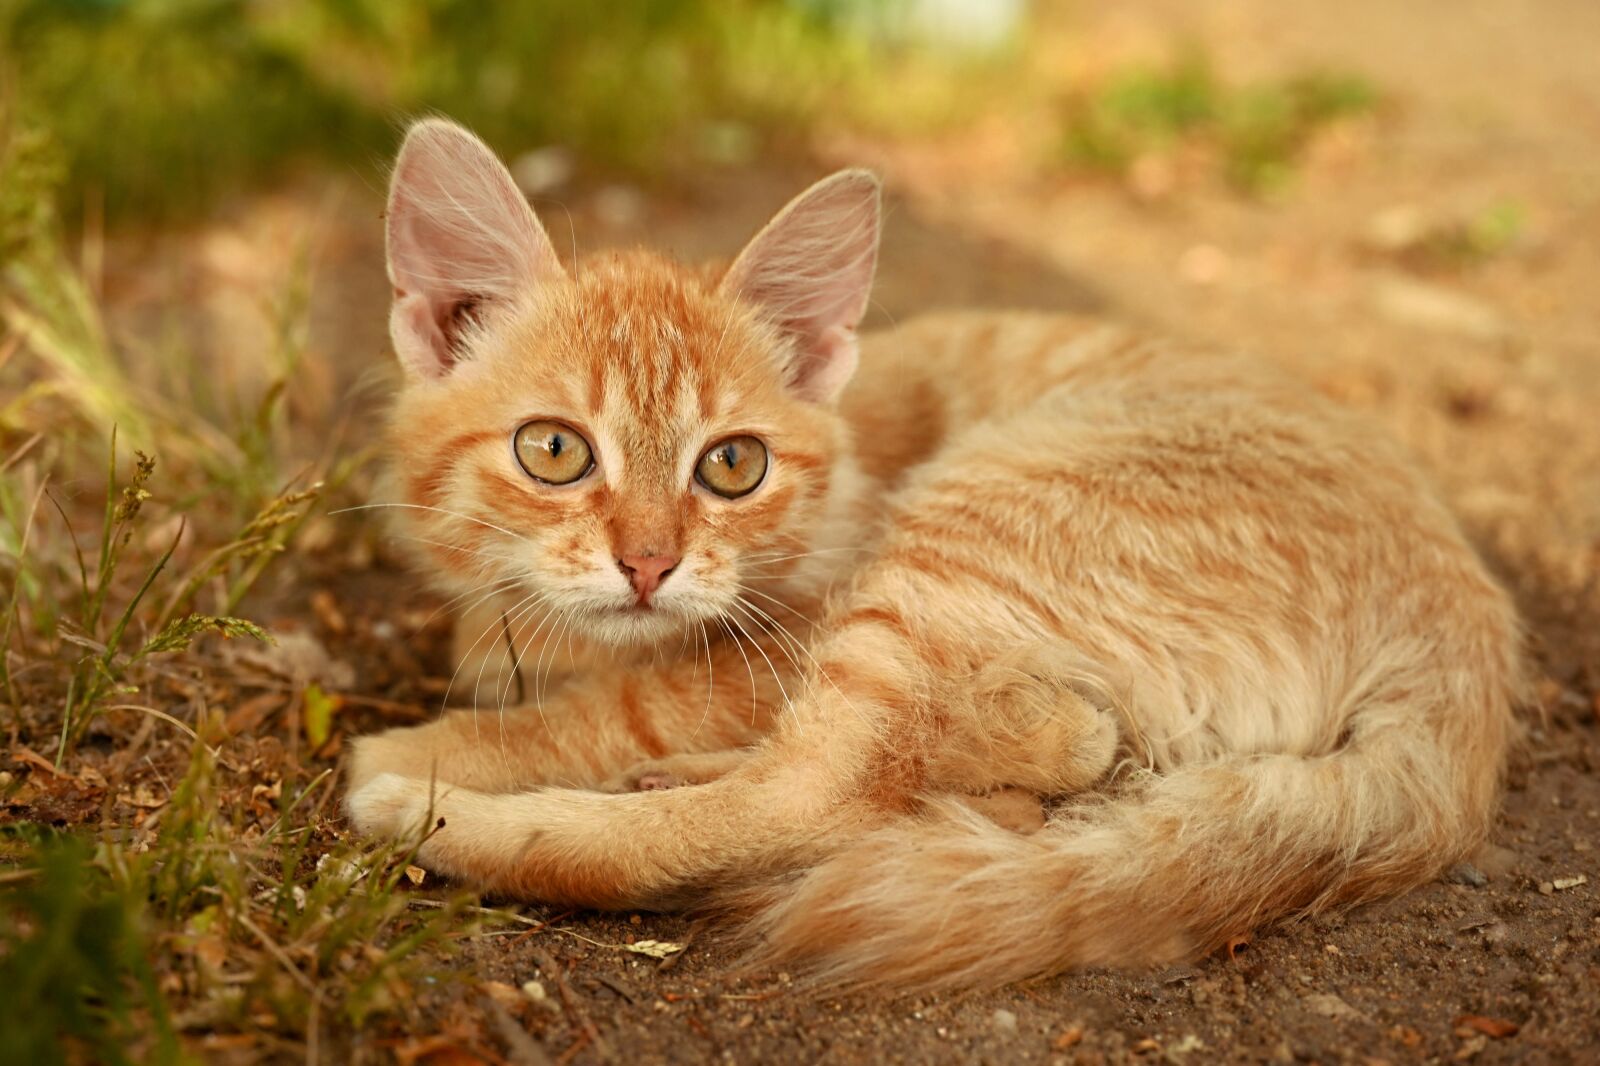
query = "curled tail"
x=1171 y=866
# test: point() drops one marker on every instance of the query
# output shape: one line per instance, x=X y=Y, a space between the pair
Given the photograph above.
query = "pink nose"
x=647 y=572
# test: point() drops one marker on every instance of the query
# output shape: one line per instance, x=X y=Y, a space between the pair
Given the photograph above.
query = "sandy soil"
x=1490 y=372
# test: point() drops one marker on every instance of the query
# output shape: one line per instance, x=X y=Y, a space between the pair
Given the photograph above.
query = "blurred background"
x=1400 y=201
x=190 y=189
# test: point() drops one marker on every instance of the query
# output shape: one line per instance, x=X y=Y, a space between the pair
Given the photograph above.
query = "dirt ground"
x=1490 y=372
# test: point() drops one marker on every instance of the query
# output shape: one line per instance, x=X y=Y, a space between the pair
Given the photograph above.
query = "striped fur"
x=1228 y=625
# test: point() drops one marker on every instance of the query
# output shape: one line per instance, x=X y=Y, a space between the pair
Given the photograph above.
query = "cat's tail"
x=1171 y=866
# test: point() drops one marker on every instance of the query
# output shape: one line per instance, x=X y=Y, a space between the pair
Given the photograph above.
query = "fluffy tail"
x=1171 y=866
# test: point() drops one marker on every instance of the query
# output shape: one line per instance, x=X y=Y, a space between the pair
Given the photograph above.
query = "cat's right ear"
x=810 y=270
x=461 y=238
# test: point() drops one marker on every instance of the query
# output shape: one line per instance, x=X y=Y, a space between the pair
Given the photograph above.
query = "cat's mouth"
x=636 y=623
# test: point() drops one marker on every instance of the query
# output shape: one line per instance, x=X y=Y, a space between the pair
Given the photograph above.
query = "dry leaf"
x=143 y=796
x=656 y=949
x=416 y=874
x=212 y=951
x=249 y=715
x=299 y=657
x=1499 y=1028
x=326 y=608
x=505 y=995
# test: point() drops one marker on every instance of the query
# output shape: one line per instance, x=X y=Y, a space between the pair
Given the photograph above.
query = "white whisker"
x=437 y=510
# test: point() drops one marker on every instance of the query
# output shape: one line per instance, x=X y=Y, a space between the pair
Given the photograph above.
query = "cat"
x=1226 y=626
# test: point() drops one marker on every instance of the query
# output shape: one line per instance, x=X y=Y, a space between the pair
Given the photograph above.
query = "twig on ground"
x=522 y=1047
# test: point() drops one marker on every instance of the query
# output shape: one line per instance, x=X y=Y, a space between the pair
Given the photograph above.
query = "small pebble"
x=1005 y=1022
x=1330 y=1006
x=1464 y=873
x=537 y=995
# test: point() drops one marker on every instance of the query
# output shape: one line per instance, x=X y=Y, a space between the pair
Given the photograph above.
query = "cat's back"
x=1094 y=387
x=1211 y=522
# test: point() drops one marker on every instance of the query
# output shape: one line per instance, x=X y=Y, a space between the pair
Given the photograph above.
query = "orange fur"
x=1017 y=551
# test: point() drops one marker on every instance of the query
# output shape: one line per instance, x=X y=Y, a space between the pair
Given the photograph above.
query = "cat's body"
x=1017 y=551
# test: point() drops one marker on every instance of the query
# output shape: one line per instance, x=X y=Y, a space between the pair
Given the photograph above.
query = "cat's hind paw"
x=676 y=771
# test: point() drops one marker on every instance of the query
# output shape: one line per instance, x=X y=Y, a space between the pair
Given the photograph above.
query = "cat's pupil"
x=555 y=445
x=730 y=456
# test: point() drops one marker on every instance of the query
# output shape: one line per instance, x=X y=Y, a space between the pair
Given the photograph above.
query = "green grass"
x=213 y=915
x=1257 y=131
x=156 y=107
x=238 y=922
x=133 y=531
x=1471 y=239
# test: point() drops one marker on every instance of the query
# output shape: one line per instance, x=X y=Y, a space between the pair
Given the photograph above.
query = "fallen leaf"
x=441 y=1050
x=211 y=950
x=299 y=657
x=1498 y=1028
x=1068 y=1038
x=656 y=949
x=252 y=712
x=503 y=994
x=22 y=753
x=416 y=874
x=229 y=1041
x=143 y=796
x=319 y=708
x=326 y=608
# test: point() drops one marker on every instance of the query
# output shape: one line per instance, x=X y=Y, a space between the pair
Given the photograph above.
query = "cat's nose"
x=647 y=572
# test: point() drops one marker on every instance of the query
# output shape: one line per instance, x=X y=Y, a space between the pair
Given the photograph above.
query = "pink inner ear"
x=811 y=270
x=827 y=368
x=461 y=240
x=427 y=348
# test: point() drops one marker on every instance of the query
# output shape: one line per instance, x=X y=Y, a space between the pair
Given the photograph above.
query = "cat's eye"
x=552 y=452
x=733 y=467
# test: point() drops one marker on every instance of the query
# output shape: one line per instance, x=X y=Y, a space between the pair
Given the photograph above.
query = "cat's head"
x=630 y=445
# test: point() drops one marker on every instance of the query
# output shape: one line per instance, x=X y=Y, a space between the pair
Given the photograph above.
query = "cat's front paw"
x=391 y=806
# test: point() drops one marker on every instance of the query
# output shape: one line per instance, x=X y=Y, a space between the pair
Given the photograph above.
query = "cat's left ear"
x=811 y=271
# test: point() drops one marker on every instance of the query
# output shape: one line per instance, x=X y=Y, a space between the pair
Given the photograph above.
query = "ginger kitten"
x=1008 y=551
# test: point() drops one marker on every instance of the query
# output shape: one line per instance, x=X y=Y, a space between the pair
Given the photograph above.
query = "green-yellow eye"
x=552 y=452
x=733 y=467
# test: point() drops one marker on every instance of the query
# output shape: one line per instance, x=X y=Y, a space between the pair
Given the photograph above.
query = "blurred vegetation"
x=156 y=106
x=1256 y=130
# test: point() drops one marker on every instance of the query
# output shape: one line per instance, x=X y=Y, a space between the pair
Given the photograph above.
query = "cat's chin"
x=635 y=627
